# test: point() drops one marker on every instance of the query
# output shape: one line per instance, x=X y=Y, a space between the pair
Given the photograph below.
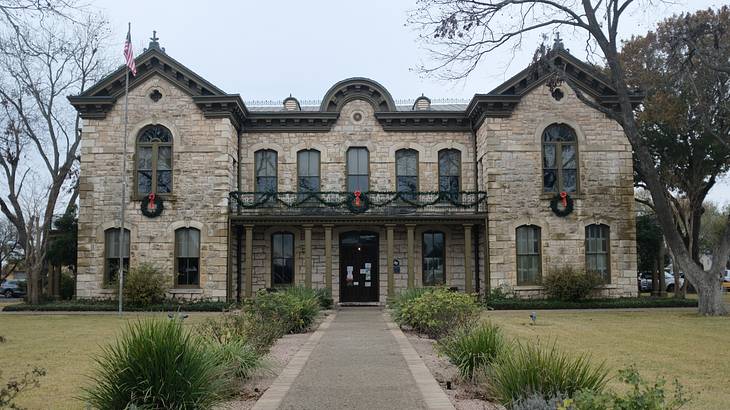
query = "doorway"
x=359 y=267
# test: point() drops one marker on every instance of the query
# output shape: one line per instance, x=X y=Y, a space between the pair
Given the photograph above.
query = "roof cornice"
x=229 y=106
x=431 y=120
x=290 y=121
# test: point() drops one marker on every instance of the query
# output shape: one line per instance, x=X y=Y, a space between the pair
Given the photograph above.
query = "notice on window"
x=368 y=265
x=356 y=283
x=367 y=284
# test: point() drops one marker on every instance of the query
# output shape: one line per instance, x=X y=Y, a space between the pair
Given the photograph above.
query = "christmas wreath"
x=562 y=204
x=358 y=202
x=152 y=207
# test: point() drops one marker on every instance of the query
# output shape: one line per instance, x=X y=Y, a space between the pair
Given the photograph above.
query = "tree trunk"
x=660 y=271
x=676 y=268
x=710 y=297
x=34 y=284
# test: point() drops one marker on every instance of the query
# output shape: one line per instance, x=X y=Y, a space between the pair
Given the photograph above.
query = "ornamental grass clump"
x=257 y=332
x=473 y=348
x=437 y=312
x=532 y=369
x=238 y=358
x=157 y=364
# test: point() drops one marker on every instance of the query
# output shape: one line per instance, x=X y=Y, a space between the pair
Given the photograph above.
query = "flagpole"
x=124 y=184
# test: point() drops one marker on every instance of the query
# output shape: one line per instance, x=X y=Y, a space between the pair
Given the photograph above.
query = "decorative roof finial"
x=558 y=44
x=153 y=40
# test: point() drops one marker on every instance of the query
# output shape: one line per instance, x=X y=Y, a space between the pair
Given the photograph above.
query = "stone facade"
x=215 y=138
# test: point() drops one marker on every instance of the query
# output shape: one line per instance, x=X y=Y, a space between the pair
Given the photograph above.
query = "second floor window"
x=265 y=171
x=406 y=172
x=559 y=159
x=358 y=169
x=308 y=171
x=450 y=172
x=154 y=160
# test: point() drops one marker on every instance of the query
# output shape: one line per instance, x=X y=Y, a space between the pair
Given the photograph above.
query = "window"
x=265 y=168
x=282 y=258
x=308 y=171
x=154 y=161
x=529 y=265
x=406 y=173
x=597 y=251
x=187 y=257
x=559 y=159
x=111 y=254
x=433 y=259
x=358 y=173
x=450 y=173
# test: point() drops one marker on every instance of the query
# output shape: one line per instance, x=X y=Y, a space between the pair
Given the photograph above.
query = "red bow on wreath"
x=564 y=199
x=357 y=198
x=151 y=205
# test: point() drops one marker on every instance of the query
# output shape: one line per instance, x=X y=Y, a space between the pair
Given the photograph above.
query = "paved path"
x=358 y=361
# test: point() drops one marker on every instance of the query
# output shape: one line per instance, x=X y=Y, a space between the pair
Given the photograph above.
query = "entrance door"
x=359 y=267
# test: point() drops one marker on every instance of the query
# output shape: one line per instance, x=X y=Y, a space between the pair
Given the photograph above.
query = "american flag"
x=129 y=53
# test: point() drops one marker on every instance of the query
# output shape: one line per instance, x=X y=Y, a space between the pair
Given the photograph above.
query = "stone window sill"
x=528 y=287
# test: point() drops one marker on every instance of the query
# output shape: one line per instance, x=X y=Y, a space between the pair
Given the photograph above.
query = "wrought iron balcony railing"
x=343 y=203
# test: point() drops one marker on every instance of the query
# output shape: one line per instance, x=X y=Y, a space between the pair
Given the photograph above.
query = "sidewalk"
x=357 y=363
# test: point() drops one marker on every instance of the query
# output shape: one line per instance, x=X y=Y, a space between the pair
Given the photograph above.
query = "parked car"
x=645 y=283
x=726 y=280
x=13 y=288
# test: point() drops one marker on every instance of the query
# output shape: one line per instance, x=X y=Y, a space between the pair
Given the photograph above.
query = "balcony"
x=376 y=203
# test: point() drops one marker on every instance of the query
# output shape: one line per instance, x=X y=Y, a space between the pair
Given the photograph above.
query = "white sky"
x=266 y=50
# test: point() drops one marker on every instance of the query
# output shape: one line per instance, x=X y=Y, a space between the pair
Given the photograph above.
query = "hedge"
x=617 y=303
x=107 y=306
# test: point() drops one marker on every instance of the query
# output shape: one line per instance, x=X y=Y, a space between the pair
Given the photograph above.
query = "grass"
x=660 y=342
x=63 y=344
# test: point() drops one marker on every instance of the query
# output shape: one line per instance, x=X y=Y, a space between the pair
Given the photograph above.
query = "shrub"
x=325 y=298
x=157 y=364
x=144 y=285
x=67 y=286
x=569 y=284
x=535 y=369
x=436 y=312
x=472 y=348
x=238 y=358
x=293 y=308
x=244 y=327
x=640 y=395
x=403 y=298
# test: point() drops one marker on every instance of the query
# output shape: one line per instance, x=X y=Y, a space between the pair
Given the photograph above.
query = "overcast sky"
x=266 y=50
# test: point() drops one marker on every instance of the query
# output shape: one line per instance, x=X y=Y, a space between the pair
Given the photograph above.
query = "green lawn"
x=670 y=343
x=63 y=344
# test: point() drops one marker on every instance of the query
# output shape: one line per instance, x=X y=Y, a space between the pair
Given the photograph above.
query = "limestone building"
x=356 y=194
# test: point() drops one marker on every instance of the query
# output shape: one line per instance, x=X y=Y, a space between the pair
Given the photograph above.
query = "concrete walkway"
x=358 y=361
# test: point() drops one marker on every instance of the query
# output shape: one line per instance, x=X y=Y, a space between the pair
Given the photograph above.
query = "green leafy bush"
x=403 y=298
x=536 y=369
x=437 y=312
x=293 y=308
x=472 y=348
x=156 y=364
x=238 y=358
x=144 y=285
x=569 y=284
x=325 y=298
x=257 y=332
x=639 y=396
x=615 y=303
x=68 y=285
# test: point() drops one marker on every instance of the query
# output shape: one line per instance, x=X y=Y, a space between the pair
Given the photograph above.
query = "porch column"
x=410 y=239
x=468 y=272
x=328 y=257
x=249 y=261
x=389 y=263
x=308 y=256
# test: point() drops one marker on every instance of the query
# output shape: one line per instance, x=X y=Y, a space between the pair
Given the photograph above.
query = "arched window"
x=265 y=171
x=598 y=251
x=154 y=161
x=450 y=172
x=358 y=169
x=529 y=261
x=406 y=172
x=559 y=159
x=187 y=257
x=282 y=258
x=111 y=254
x=434 y=258
x=308 y=171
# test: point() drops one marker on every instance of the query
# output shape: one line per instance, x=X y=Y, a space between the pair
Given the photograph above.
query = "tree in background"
x=48 y=50
x=62 y=249
x=10 y=255
x=461 y=33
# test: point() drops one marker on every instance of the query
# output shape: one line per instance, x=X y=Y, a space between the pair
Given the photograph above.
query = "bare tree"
x=10 y=254
x=460 y=33
x=48 y=50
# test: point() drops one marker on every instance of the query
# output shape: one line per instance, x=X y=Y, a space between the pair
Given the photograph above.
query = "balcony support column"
x=410 y=240
x=389 y=228
x=328 y=257
x=468 y=273
x=248 y=287
x=308 y=256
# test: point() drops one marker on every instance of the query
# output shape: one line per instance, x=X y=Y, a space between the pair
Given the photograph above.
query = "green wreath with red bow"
x=153 y=206
x=562 y=204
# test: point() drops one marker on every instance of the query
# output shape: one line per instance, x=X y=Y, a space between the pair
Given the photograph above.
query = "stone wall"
x=509 y=158
x=204 y=152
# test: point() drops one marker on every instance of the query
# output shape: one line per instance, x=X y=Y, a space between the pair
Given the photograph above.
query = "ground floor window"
x=187 y=257
x=282 y=258
x=111 y=254
x=597 y=251
x=433 y=258
x=529 y=269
